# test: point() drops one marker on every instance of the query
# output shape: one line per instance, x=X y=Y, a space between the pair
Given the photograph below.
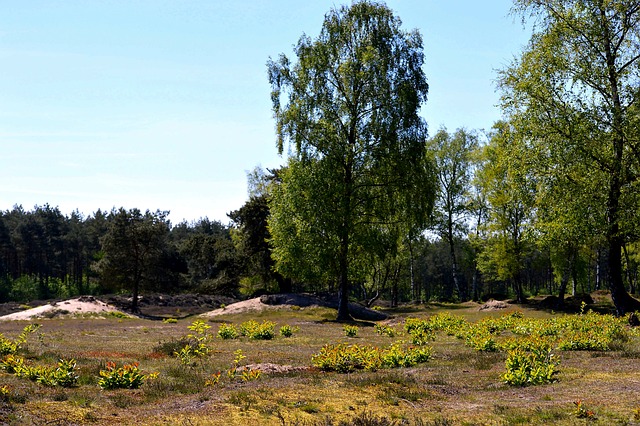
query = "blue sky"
x=160 y=104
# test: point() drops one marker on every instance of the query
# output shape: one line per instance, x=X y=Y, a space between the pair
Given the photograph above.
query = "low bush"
x=128 y=376
x=350 y=330
x=258 y=331
x=227 y=331
x=530 y=368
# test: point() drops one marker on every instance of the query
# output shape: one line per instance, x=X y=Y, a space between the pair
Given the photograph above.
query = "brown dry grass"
x=458 y=386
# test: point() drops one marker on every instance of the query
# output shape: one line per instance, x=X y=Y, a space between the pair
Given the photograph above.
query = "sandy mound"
x=81 y=305
x=251 y=305
x=286 y=301
x=494 y=305
x=269 y=368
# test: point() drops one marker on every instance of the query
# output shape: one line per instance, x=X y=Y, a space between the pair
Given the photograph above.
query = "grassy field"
x=459 y=385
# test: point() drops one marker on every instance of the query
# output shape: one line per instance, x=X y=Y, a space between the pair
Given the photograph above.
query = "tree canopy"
x=349 y=109
x=573 y=95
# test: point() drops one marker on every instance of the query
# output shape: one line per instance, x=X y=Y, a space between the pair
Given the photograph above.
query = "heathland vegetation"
x=370 y=208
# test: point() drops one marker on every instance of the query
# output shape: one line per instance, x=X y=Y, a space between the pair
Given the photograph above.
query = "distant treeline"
x=45 y=254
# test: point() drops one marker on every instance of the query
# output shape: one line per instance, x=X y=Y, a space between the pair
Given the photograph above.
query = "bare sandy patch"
x=251 y=305
x=80 y=305
x=494 y=305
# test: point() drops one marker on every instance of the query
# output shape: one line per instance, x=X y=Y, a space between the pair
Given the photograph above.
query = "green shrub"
x=12 y=346
x=256 y=331
x=128 y=376
x=345 y=358
x=287 y=330
x=396 y=356
x=385 y=330
x=350 y=330
x=198 y=346
x=530 y=368
x=227 y=331
x=63 y=375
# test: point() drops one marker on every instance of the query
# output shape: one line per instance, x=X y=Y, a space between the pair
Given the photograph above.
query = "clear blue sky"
x=164 y=104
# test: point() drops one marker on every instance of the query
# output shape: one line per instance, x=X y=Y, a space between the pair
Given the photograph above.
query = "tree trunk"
x=454 y=266
x=414 y=291
x=623 y=302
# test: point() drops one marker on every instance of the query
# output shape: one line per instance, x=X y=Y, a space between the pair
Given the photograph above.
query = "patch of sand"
x=494 y=305
x=80 y=305
x=251 y=305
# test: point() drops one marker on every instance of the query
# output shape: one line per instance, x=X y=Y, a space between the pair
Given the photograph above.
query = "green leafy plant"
x=227 y=331
x=258 y=331
x=582 y=412
x=345 y=358
x=8 y=346
x=385 y=330
x=238 y=356
x=396 y=356
x=63 y=375
x=198 y=346
x=287 y=330
x=128 y=376
x=249 y=375
x=530 y=368
x=350 y=330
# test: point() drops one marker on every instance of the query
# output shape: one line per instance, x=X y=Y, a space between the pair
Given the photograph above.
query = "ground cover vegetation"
x=465 y=367
x=368 y=207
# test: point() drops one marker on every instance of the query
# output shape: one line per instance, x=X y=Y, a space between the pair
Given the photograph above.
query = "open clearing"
x=459 y=385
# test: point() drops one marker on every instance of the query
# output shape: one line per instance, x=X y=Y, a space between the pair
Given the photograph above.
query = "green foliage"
x=530 y=368
x=227 y=331
x=396 y=356
x=385 y=330
x=12 y=364
x=134 y=252
x=364 y=70
x=347 y=358
x=570 y=101
x=421 y=331
x=258 y=331
x=344 y=358
x=450 y=324
x=5 y=393
x=287 y=330
x=128 y=376
x=350 y=330
x=63 y=375
x=12 y=346
x=199 y=340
